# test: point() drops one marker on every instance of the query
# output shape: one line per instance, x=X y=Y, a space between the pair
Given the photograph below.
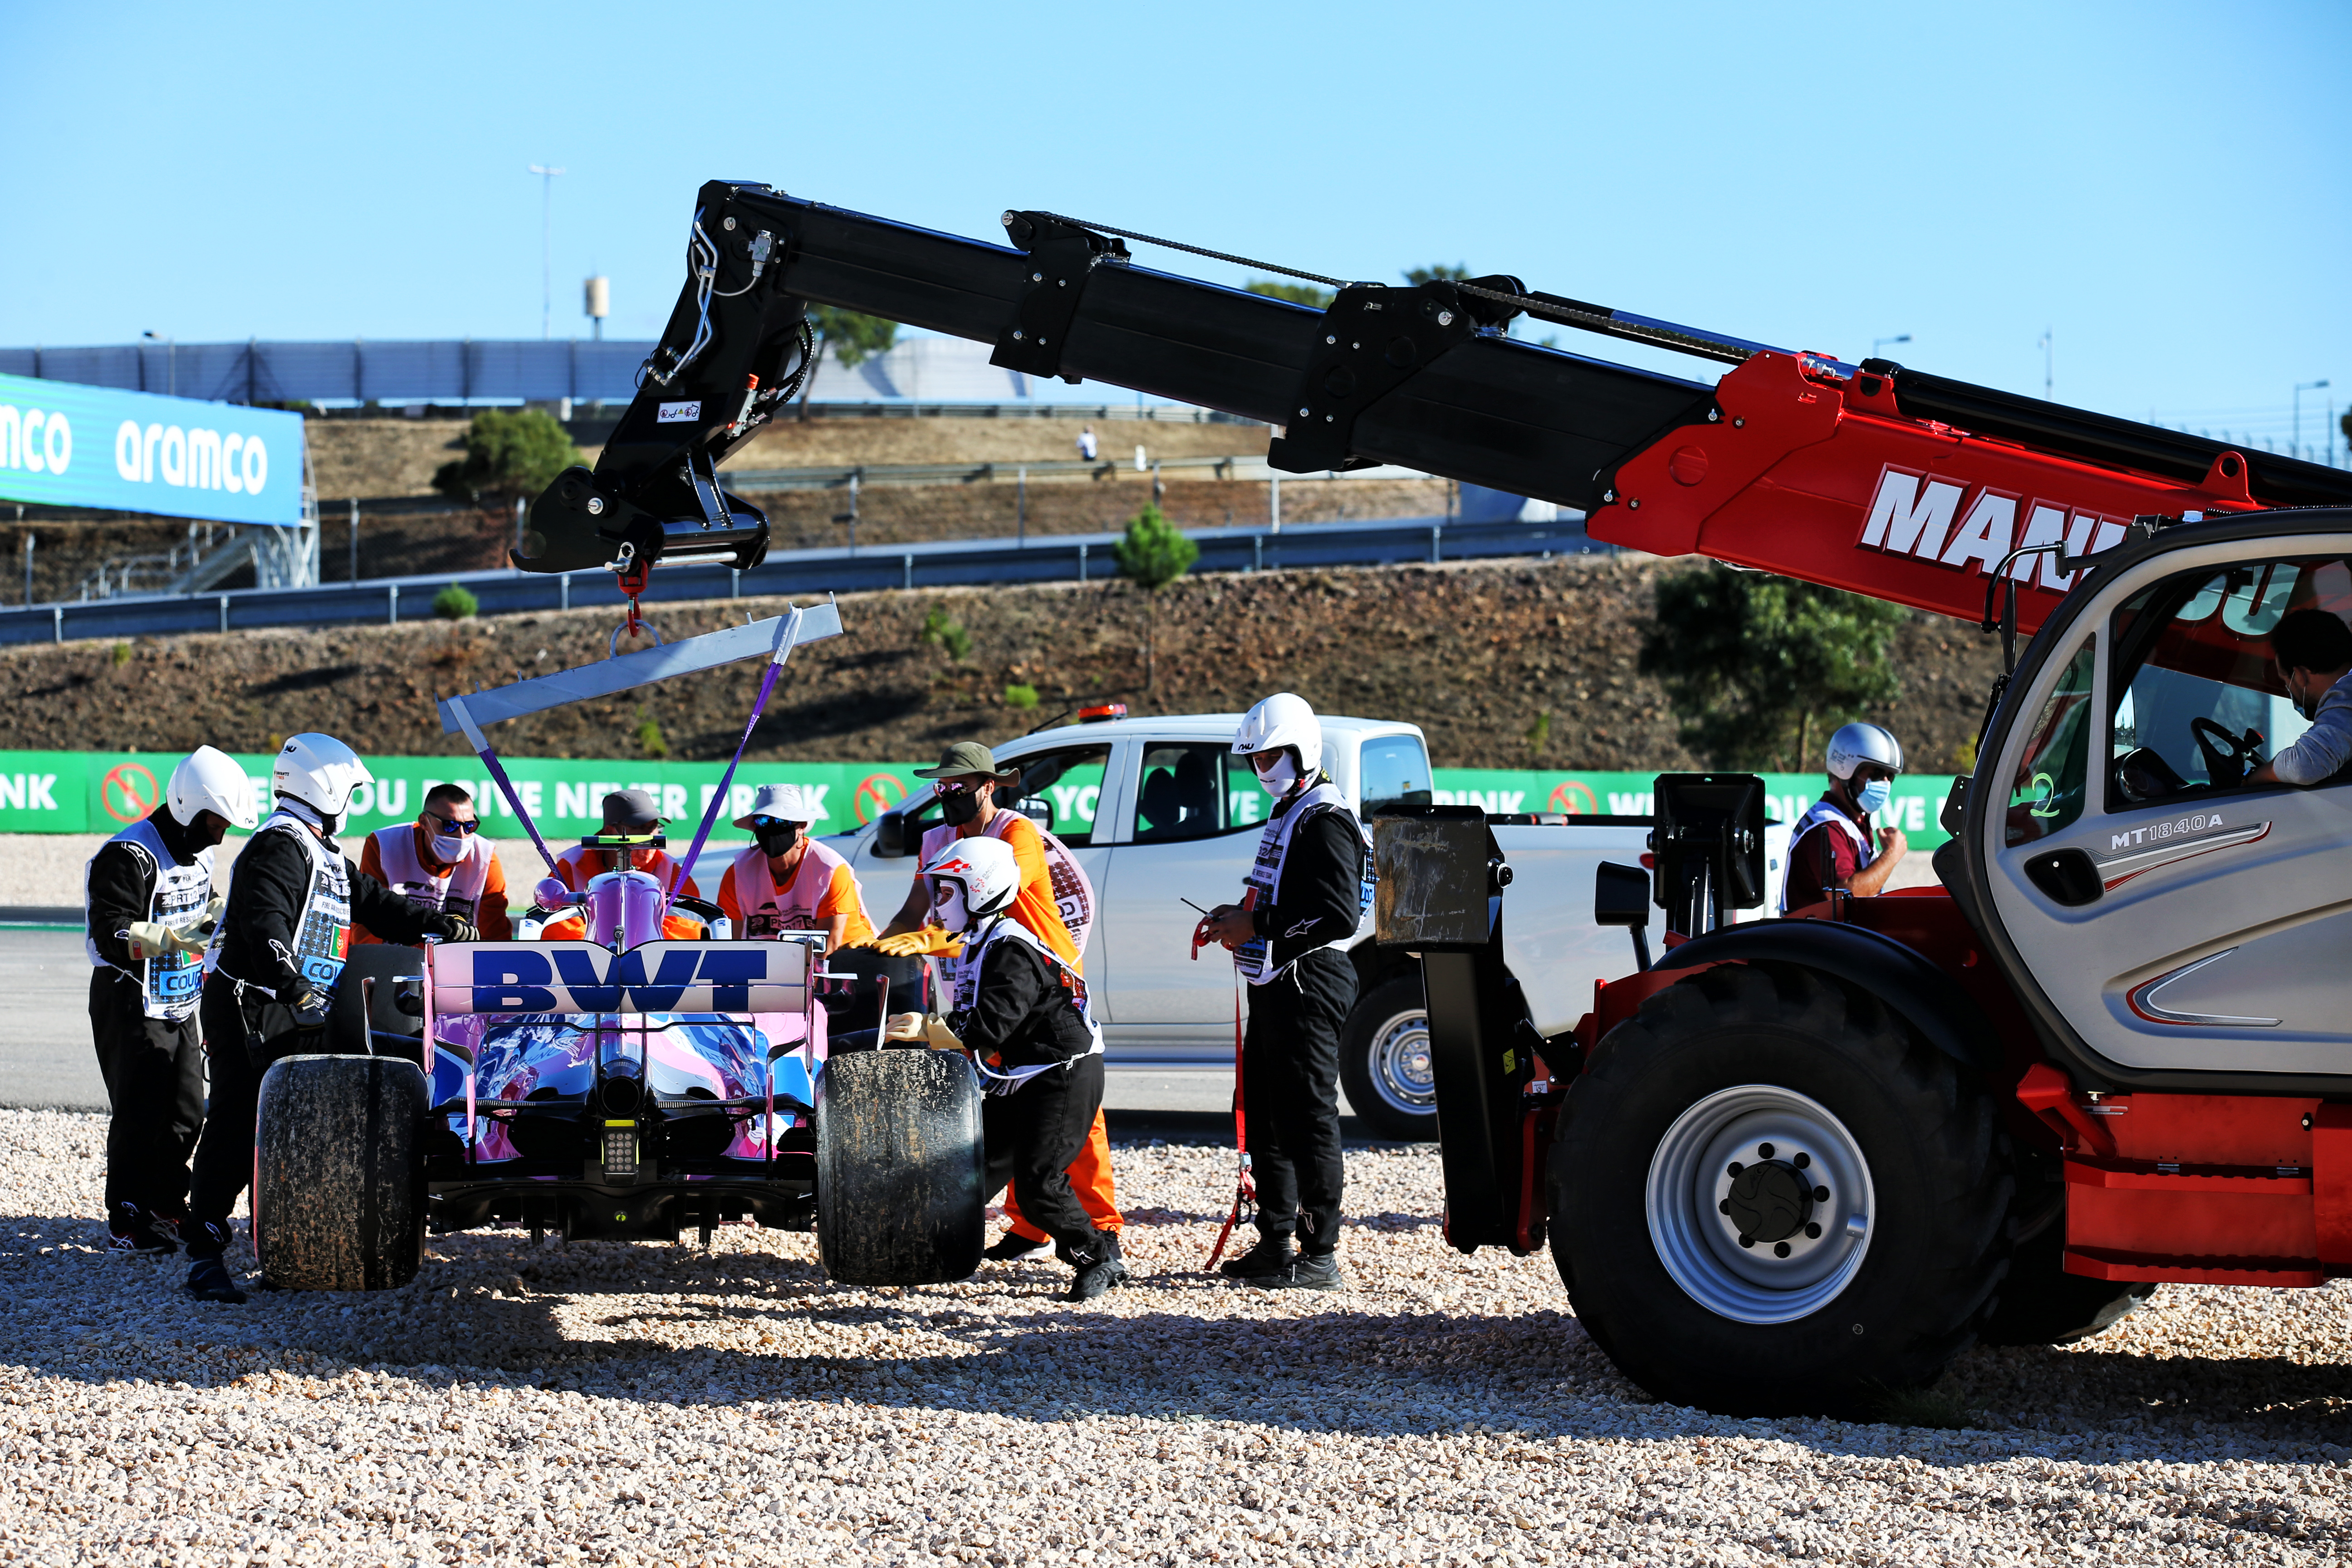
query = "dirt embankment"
x=1474 y=653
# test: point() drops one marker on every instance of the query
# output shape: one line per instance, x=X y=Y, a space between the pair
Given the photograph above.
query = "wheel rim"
x=1804 y=1246
x=1401 y=1070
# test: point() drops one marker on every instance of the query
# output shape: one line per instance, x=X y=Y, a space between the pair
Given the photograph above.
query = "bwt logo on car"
x=191 y=460
x=579 y=978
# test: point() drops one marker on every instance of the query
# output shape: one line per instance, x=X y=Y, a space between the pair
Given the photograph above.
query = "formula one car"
x=618 y=1086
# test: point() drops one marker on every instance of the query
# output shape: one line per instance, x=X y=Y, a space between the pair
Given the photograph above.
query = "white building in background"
x=947 y=369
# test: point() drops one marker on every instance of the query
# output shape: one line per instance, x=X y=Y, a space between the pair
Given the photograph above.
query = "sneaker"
x=1099 y=1268
x=208 y=1281
x=1011 y=1247
x=1271 y=1256
x=136 y=1229
x=1307 y=1271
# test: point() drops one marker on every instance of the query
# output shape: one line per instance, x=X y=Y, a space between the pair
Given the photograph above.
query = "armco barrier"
x=1062 y=557
x=98 y=791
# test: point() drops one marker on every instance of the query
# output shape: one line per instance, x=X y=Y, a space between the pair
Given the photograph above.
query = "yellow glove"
x=904 y=1026
x=923 y=941
x=942 y=1037
x=153 y=939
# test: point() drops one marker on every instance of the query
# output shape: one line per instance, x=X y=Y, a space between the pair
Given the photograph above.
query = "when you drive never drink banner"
x=98 y=791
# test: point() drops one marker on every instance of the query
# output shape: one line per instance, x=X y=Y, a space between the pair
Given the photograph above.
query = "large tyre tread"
x=1968 y=1182
x=901 y=1169
x=339 y=1186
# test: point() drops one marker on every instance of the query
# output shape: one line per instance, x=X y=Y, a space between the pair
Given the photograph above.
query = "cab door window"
x=2046 y=793
x=1194 y=790
x=2197 y=704
x=1061 y=791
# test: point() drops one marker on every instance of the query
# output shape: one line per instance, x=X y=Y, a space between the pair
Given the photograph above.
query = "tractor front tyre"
x=338 y=1172
x=2041 y=1304
x=901 y=1168
x=1772 y=1197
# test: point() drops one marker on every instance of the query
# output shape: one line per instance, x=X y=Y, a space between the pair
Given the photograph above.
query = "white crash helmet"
x=208 y=780
x=321 y=772
x=984 y=866
x=1856 y=744
x=1282 y=719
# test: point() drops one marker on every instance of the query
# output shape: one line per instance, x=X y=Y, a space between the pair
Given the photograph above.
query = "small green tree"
x=1305 y=294
x=853 y=338
x=1441 y=273
x=1153 y=553
x=946 y=632
x=1753 y=663
x=509 y=452
x=455 y=603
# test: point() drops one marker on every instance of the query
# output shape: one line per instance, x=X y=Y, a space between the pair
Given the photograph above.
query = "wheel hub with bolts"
x=1401 y=1069
x=1759 y=1203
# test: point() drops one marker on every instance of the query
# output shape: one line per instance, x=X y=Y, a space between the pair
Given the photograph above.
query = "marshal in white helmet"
x=1281 y=723
x=318 y=773
x=1837 y=847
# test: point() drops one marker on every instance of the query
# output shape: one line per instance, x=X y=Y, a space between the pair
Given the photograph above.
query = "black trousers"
x=154 y=1073
x=1032 y=1136
x=224 y=1166
x=1290 y=1097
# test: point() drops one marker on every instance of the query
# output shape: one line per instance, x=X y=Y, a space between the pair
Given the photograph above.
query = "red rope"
x=1245 y=1186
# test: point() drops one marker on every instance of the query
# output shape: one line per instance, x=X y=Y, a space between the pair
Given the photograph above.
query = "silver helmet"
x=1856 y=744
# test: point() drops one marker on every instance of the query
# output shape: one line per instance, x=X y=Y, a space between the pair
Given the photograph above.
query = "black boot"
x=1307 y=1271
x=208 y=1277
x=135 y=1228
x=1270 y=1257
x=1011 y=1247
x=1099 y=1267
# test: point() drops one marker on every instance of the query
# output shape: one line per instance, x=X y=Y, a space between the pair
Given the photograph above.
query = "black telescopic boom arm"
x=1422 y=377
x=1416 y=376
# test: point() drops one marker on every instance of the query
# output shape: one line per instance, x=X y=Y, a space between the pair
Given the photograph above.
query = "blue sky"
x=2162 y=186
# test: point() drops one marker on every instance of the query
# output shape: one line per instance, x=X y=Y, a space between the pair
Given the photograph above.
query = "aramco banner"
x=64 y=443
x=100 y=791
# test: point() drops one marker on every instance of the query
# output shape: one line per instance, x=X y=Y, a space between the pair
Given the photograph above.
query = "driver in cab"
x=2313 y=652
x=1831 y=848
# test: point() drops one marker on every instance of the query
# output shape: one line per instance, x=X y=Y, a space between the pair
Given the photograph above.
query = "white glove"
x=153 y=939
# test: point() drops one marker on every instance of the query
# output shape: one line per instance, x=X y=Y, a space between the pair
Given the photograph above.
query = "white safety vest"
x=768 y=908
x=964 y=975
x=1823 y=810
x=168 y=985
x=322 y=941
x=458 y=890
x=1265 y=874
x=1074 y=892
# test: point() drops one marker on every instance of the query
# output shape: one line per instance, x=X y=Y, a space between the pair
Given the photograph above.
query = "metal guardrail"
x=1241 y=466
x=1082 y=557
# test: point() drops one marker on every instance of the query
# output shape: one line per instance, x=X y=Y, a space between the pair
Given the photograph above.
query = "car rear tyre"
x=2041 y=1304
x=899 y=1168
x=1772 y=1197
x=1385 y=1062
x=339 y=1174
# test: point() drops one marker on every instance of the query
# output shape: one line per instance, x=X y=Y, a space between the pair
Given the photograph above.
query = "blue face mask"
x=1873 y=797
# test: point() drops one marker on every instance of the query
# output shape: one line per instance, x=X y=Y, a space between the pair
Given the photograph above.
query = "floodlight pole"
x=2300 y=388
x=546 y=249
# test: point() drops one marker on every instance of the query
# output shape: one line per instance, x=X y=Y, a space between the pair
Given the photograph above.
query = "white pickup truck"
x=1158 y=811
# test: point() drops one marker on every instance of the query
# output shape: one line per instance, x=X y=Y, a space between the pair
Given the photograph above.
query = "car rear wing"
x=582 y=977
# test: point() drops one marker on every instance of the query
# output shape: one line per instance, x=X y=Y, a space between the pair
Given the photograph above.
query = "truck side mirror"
x=890 y=836
x=1620 y=897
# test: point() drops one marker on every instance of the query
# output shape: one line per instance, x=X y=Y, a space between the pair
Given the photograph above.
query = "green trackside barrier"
x=98 y=791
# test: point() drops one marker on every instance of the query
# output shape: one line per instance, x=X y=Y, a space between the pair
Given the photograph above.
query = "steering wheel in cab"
x=2228 y=758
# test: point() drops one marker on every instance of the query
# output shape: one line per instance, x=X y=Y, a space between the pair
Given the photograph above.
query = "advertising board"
x=98 y=791
x=65 y=444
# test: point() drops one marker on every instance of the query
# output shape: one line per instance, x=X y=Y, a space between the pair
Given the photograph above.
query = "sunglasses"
x=453 y=825
x=949 y=787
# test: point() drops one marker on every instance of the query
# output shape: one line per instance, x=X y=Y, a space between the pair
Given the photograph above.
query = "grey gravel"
x=613 y=1402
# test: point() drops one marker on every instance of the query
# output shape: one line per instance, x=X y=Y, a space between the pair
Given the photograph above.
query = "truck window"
x=2196 y=701
x=1189 y=790
x=1060 y=790
x=1394 y=770
x=2047 y=792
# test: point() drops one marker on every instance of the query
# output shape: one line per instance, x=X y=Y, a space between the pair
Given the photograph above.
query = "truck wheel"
x=2041 y=1304
x=899 y=1168
x=1770 y=1197
x=339 y=1174
x=1384 y=1062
